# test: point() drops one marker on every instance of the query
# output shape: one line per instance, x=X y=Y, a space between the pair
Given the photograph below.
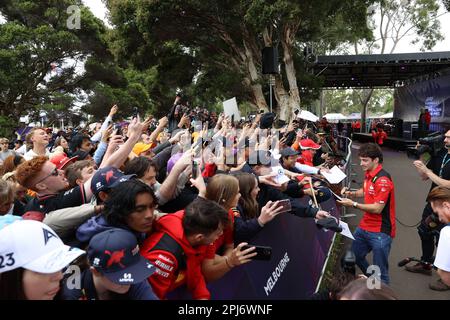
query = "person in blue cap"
x=116 y=270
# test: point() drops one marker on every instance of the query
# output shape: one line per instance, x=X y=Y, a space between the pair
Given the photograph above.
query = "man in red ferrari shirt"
x=179 y=244
x=377 y=227
x=379 y=135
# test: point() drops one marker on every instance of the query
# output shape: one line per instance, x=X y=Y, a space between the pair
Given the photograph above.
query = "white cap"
x=34 y=246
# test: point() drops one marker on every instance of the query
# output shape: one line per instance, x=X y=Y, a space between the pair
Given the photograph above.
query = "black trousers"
x=429 y=237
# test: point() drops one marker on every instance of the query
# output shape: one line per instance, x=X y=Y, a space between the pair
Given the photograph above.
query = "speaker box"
x=270 y=60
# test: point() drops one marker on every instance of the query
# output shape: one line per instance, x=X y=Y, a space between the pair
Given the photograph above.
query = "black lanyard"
x=444 y=162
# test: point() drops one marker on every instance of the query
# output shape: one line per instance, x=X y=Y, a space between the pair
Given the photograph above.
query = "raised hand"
x=113 y=110
x=239 y=256
x=269 y=211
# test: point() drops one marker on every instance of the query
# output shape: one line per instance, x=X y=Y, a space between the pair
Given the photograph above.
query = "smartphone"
x=262 y=252
x=135 y=112
x=286 y=204
x=194 y=169
x=117 y=129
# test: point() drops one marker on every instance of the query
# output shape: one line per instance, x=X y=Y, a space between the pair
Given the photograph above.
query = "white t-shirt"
x=442 y=260
x=31 y=154
x=22 y=150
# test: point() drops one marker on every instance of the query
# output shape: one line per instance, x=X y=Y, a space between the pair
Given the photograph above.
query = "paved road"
x=410 y=194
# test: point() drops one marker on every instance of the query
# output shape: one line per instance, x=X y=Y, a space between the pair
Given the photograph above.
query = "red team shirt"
x=380 y=191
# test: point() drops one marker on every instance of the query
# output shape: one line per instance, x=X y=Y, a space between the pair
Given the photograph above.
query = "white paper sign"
x=280 y=177
x=346 y=230
x=230 y=108
x=335 y=175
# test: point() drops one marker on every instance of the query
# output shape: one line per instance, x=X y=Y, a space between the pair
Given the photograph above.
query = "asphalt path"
x=410 y=194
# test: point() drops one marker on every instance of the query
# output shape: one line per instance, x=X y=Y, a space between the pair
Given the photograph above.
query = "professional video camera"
x=428 y=146
x=348 y=262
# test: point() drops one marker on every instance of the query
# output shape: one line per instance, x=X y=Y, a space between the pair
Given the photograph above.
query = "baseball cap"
x=61 y=161
x=286 y=152
x=308 y=144
x=173 y=159
x=262 y=157
x=34 y=215
x=34 y=246
x=107 y=178
x=115 y=253
x=323 y=194
x=141 y=147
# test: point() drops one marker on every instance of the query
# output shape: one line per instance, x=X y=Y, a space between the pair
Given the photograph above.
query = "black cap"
x=266 y=121
x=286 y=152
x=107 y=178
x=115 y=253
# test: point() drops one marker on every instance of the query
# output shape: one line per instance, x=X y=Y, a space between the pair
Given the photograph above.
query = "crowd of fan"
x=148 y=207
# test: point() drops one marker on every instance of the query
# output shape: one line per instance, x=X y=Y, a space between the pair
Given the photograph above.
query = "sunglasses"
x=54 y=173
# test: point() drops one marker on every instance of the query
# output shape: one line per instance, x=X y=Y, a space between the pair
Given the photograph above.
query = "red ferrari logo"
x=115 y=257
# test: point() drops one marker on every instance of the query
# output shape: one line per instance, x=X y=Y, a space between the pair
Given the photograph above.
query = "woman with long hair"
x=224 y=189
x=63 y=145
x=247 y=220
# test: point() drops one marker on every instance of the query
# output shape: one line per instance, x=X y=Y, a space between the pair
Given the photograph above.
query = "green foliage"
x=347 y=101
x=7 y=126
x=34 y=39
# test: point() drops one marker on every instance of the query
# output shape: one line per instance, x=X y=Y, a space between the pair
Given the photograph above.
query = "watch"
x=355 y=204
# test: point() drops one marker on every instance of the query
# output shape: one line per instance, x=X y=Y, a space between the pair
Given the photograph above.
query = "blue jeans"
x=380 y=244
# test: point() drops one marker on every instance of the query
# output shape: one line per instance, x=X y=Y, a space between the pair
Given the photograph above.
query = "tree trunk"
x=282 y=98
x=367 y=94
x=254 y=78
x=286 y=109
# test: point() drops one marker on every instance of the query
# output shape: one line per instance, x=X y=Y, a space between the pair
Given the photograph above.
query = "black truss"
x=378 y=70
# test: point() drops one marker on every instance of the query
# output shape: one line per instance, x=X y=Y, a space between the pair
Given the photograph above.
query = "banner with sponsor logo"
x=299 y=250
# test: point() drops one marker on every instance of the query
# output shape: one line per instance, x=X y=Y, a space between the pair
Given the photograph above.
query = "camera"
x=431 y=224
x=431 y=145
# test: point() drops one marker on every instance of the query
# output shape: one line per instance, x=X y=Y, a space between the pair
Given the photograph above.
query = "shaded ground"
x=410 y=194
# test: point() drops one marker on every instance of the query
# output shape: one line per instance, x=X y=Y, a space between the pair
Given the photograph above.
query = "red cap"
x=309 y=144
x=34 y=215
x=61 y=160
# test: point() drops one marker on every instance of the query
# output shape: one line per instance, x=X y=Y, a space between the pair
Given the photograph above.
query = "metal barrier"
x=347 y=181
x=347 y=168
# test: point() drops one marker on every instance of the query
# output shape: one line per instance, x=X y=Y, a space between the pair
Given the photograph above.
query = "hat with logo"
x=107 y=178
x=308 y=144
x=61 y=161
x=115 y=253
x=323 y=194
x=34 y=246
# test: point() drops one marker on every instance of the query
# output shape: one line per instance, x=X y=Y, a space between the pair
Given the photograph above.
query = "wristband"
x=355 y=204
